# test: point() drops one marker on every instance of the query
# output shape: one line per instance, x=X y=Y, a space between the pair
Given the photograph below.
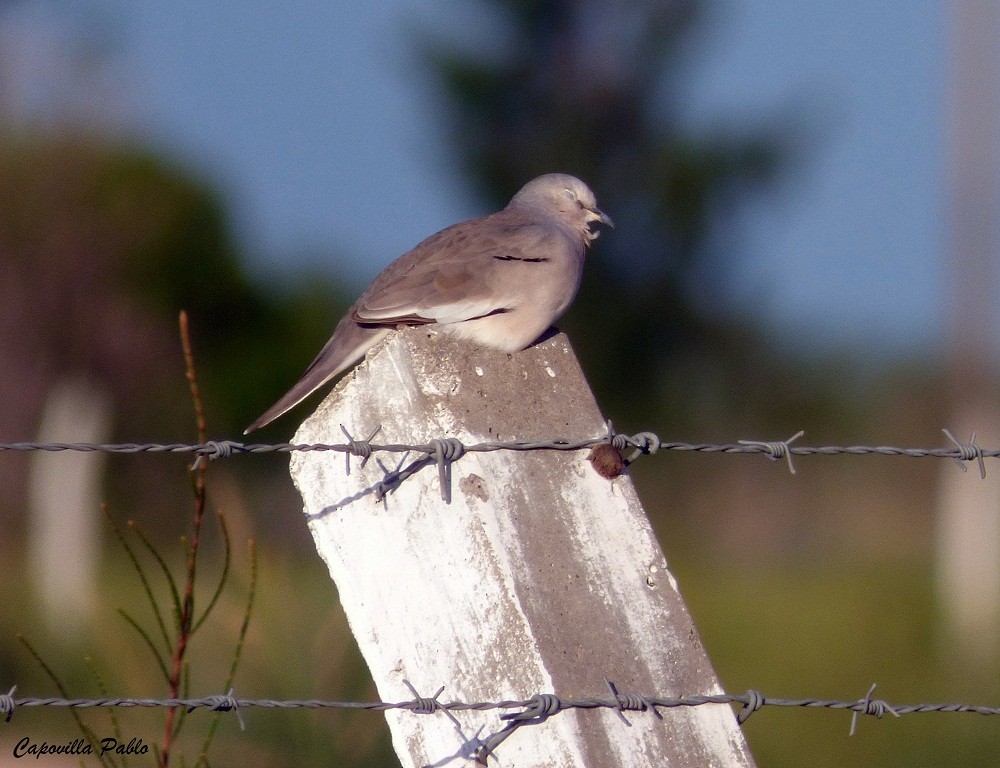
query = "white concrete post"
x=539 y=576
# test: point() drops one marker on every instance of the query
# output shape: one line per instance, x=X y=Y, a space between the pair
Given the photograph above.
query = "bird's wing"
x=461 y=273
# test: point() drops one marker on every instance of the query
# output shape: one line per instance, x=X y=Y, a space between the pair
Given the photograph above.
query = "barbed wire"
x=443 y=452
x=532 y=710
x=451 y=448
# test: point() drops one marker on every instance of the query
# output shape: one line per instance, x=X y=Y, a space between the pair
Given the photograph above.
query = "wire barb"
x=445 y=451
x=645 y=443
x=215 y=449
x=423 y=705
x=617 y=441
x=755 y=700
x=536 y=710
x=775 y=450
x=967 y=452
x=539 y=708
x=360 y=448
x=224 y=702
x=632 y=702
x=870 y=706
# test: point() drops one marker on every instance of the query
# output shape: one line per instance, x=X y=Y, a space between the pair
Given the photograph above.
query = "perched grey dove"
x=500 y=280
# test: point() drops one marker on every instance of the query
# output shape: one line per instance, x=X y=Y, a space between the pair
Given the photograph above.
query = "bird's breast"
x=507 y=331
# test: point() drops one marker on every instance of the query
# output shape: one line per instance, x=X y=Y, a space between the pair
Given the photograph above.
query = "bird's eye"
x=570 y=194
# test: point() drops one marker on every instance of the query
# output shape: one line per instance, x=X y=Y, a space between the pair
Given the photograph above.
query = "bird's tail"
x=346 y=347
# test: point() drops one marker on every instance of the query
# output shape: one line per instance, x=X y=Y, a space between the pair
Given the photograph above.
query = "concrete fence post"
x=538 y=576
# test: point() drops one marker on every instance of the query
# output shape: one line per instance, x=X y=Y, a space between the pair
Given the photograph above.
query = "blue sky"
x=315 y=119
x=850 y=247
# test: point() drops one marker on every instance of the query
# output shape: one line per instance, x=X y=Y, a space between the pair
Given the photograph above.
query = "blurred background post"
x=968 y=546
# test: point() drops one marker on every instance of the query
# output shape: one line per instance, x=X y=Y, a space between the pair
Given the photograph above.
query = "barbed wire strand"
x=449 y=449
x=443 y=452
x=535 y=706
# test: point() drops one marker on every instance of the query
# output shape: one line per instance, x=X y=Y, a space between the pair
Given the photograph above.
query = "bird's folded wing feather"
x=456 y=275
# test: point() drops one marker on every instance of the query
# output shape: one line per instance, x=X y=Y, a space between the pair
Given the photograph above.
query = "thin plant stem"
x=197 y=471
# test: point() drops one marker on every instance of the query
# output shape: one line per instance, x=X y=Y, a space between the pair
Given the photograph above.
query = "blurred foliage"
x=585 y=87
x=102 y=243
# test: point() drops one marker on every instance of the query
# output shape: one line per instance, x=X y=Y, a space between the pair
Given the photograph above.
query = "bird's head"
x=566 y=197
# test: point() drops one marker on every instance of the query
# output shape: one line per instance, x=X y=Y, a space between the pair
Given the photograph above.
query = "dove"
x=499 y=280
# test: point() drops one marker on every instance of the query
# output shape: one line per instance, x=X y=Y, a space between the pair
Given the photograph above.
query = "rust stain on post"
x=540 y=576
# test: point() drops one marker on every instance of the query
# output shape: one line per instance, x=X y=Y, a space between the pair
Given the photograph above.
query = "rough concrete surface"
x=540 y=576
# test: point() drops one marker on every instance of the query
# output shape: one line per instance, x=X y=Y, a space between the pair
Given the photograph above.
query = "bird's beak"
x=596 y=215
x=604 y=218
